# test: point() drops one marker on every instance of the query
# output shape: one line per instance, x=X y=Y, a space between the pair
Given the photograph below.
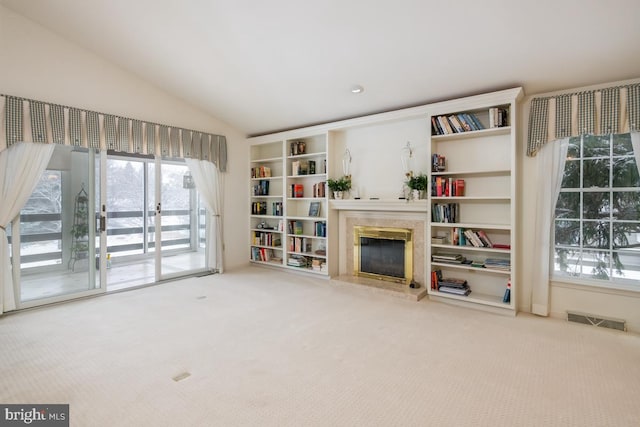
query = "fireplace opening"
x=383 y=253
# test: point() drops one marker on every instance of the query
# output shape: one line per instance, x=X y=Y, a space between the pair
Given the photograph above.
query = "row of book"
x=455 y=123
x=261 y=188
x=264 y=255
x=297 y=227
x=296 y=191
x=300 y=244
x=266 y=239
x=444 y=212
x=467 y=237
x=498 y=264
x=261 y=172
x=447 y=187
x=260 y=208
x=498 y=117
x=320 y=189
x=320 y=229
x=303 y=167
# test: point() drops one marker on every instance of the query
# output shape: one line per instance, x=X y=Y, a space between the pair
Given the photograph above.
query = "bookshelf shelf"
x=505 y=130
x=495 y=172
x=309 y=176
x=471 y=225
x=472 y=198
x=268 y=178
x=470 y=268
x=477 y=298
x=471 y=248
x=266 y=230
x=481 y=164
x=296 y=167
x=267 y=160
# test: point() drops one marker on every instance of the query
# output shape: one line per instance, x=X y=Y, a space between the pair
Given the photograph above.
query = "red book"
x=298 y=190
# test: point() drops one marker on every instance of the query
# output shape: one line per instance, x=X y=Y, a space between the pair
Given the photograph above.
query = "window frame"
x=612 y=282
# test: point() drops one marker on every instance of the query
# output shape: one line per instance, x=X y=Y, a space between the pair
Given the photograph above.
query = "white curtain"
x=551 y=160
x=21 y=166
x=635 y=142
x=208 y=183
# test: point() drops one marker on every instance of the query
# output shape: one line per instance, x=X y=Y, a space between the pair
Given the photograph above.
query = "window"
x=41 y=223
x=597 y=221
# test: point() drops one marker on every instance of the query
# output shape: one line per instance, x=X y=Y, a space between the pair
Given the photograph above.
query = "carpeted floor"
x=267 y=348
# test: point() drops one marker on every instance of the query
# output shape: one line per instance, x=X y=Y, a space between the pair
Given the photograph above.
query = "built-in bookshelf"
x=289 y=208
x=472 y=228
x=267 y=203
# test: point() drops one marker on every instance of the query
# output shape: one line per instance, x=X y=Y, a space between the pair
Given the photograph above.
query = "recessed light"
x=357 y=89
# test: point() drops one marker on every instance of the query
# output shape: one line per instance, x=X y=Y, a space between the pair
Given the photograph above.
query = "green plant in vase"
x=339 y=186
x=418 y=185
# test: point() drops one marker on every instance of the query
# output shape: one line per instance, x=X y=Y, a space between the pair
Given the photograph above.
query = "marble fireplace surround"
x=397 y=214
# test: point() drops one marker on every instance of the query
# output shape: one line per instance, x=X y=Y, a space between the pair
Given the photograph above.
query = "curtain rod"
x=104 y=114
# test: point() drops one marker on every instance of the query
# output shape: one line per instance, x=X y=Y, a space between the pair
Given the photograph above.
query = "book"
x=314 y=209
x=298 y=190
x=485 y=239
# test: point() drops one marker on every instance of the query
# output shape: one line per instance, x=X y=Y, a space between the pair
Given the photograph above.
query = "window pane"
x=125 y=204
x=571 y=177
x=595 y=205
x=574 y=148
x=626 y=235
x=596 y=146
x=625 y=172
x=622 y=144
x=596 y=173
x=568 y=206
x=41 y=223
x=626 y=205
x=567 y=232
x=626 y=264
x=567 y=262
x=595 y=265
x=596 y=234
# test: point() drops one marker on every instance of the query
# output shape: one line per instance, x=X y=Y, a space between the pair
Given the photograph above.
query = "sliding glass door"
x=56 y=240
x=183 y=247
x=100 y=222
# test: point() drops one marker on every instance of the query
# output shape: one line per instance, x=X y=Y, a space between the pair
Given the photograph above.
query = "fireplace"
x=383 y=253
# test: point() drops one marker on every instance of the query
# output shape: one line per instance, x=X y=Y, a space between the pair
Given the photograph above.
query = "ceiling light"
x=357 y=89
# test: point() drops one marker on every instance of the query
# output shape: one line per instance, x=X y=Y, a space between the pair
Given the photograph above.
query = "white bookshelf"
x=486 y=161
x=298 y=167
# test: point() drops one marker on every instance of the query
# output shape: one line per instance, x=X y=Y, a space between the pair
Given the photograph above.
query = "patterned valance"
x=599 y=112
x=36 y=121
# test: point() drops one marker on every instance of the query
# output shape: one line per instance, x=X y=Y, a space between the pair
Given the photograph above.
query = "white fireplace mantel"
x=379 y=205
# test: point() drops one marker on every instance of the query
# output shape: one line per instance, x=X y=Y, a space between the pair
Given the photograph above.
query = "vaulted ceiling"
x=263 y=66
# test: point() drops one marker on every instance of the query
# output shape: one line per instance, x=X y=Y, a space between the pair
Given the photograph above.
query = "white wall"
x=36 y=63
x=563 y=296
x=376 y=167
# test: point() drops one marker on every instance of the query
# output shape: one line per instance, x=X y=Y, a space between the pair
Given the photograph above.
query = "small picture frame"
x=314 y=209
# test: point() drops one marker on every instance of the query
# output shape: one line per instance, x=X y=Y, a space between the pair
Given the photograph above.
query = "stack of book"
x=318 y=265
x=454 y=286
x=448 y=258
x=297 y=261
x=498 y=264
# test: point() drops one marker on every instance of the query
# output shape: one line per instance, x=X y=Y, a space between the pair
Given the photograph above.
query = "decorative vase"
x=415 y=194
x=338 y=195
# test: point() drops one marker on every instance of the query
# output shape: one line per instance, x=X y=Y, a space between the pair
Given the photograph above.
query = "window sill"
x=619 y=289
